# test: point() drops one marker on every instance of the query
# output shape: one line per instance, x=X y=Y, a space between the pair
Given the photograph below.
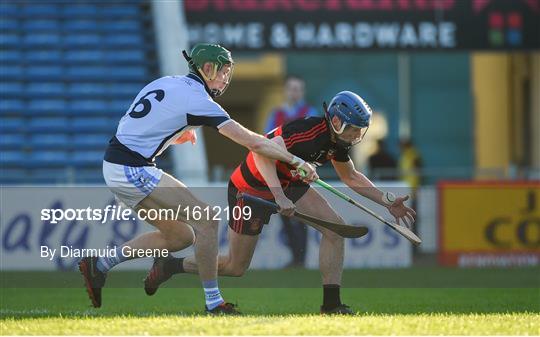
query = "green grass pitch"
x=416 y=301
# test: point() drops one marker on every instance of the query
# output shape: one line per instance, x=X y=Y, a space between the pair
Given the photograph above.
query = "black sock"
x=174 y=266
x=331 y=298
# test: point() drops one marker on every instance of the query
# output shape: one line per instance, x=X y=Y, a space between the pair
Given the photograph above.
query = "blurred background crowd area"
x=464 y=94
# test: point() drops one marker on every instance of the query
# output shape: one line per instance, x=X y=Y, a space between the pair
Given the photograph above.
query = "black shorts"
x=259 y=216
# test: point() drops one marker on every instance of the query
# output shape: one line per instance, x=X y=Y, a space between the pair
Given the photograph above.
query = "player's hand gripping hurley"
x=404 y=231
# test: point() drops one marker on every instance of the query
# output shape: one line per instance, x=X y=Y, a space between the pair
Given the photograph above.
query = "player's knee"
x=179 y=237
x=206 y=225
x=334 y=238
x=179 y=243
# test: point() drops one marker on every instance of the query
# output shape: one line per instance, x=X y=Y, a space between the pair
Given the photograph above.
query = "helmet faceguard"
x=226 y=81
x=352 y=134
x=215 y=54
x=354 y=115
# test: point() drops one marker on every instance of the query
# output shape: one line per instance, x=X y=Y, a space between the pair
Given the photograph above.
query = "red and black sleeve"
x=300 y=136
x=342 y=155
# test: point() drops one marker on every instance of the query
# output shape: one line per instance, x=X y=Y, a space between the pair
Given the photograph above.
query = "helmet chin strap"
x=220 y=92
x=212 y=92
x=209 y=78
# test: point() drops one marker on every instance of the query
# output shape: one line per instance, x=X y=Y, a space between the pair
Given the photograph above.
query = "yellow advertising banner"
x=489 y=223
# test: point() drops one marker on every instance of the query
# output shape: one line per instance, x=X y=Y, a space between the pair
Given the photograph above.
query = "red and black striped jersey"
x=308 y=139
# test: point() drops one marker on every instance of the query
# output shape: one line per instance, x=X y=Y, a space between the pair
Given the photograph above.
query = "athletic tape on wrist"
x=297 y=162
x=388 y=198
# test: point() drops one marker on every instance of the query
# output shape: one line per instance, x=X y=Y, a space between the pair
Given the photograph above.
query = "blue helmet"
x=351 y=109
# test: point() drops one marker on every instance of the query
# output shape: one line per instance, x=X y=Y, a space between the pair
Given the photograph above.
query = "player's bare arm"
x=362 y=185
x=259 y=144
x=267 y=168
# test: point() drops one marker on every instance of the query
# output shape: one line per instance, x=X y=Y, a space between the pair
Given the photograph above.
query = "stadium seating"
x=68 y=71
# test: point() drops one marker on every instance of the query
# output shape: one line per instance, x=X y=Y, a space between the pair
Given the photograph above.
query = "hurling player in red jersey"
x=317 y=140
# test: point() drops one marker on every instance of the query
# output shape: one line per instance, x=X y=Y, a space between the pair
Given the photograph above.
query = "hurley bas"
x=126 y=251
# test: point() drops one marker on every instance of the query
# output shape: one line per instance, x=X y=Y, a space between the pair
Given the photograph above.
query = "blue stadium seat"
x=92 y=125
x=86 y=106
x=12 y=159
x=7 y=25
x=12 y=142
x=41 y=25
x=51 y=125
x=87 y=73
x=123 y=40
x=45 y=89
x=117 y=26
x=37 y=40
x=10 y=89
x=119 y=107
x=81 y=90
x=51 y=174
x=129 y=90
x=87 y=158
x=12 y=125
x=84 y=55
x=10 y=56
x=37 y=10
x=127 y=72
x=80 y=10
x=39 y=56
x=44 y=72
x=9 y=9
x=15 y=175
x=58 y=141
x=11 y=72
x=90 y=176
x=91 y=141
x=135 y=56
x=120 y=11
x=81 y=25
x=114 y=91
x=9 y=40
x=42 y=107
x=82 y=40
x=11 y=106
x=112 y=73
x=40 y=159
x=106 y=26
x=68 y=71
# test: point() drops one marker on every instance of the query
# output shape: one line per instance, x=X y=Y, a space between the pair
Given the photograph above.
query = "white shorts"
x=130 y=184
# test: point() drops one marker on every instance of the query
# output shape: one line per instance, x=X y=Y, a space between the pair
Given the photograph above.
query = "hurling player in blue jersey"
x=165 y=112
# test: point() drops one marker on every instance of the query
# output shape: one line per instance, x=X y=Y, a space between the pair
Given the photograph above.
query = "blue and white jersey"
x=162 y=111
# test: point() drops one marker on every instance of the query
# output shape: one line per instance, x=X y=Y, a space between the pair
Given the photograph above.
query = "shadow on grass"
x=72 y=303
x=416 y=277
x=276 y=293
